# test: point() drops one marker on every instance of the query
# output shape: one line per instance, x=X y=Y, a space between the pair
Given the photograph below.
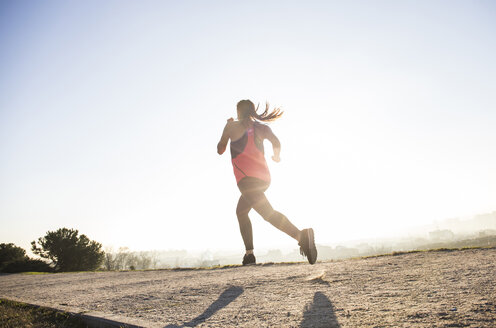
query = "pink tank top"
x=248 y=160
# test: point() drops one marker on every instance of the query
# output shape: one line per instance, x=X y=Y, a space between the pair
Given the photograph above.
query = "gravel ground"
x=427 y=289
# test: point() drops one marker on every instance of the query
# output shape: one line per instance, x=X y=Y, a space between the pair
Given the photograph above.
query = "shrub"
x=13 y=259
x=10 y=253
x=27 y=265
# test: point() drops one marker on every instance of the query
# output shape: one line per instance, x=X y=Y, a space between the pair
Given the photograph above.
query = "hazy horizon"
x=110 y=113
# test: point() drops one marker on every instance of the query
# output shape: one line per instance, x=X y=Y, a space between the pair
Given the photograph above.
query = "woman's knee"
x=265 y=210
x=242 y=214
x=242 y=211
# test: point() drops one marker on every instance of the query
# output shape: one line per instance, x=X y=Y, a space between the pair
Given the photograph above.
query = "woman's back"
x=247 y=153
x=238 y=129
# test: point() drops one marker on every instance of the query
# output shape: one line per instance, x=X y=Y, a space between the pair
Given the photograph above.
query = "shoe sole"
x=312 y=256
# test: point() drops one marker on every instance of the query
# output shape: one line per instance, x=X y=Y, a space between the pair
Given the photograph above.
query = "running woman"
x=252 y=174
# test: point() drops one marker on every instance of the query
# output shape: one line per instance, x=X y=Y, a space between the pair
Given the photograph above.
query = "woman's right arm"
x=224 y=139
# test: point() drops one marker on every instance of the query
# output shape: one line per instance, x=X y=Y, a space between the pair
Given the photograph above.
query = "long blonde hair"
x=246 y=109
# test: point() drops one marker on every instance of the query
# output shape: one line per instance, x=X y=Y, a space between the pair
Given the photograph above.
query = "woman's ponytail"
x=246 y=109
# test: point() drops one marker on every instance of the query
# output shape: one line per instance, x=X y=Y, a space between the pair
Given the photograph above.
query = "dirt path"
x=428 y=289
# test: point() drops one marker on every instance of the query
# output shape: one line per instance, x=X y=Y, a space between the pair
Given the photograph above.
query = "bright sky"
x=110 y=112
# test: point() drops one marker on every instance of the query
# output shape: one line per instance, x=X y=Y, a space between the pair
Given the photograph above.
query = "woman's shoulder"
x=264 y=126
x=235 y=125
x=263 y=129
x=235 y=128
x=260 y=125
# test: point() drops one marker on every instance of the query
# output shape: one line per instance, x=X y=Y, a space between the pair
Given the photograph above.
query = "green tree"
x=68 y=251
x=11 y=253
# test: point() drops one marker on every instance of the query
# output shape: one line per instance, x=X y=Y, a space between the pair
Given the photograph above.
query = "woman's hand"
x=276 y=158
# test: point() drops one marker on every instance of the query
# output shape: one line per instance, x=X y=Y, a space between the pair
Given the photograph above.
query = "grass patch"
x=16 y=314
x=442 y=249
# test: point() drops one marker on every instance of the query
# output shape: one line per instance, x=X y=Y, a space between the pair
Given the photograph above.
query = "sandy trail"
x=428 y=289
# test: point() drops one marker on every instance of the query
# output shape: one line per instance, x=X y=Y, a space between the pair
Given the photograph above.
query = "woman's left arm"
x=276 y=144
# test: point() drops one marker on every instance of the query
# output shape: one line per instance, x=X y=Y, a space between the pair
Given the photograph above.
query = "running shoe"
x=307 y=245
x=249 y=259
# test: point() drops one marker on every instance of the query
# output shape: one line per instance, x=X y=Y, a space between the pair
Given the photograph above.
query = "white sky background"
x=110 y=113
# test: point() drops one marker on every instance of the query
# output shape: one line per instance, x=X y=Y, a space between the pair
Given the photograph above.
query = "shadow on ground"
x=224 y=299
x=320 y=313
